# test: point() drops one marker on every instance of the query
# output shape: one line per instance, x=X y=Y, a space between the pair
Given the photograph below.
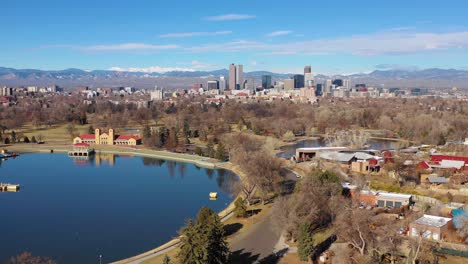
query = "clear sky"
x=283 y=36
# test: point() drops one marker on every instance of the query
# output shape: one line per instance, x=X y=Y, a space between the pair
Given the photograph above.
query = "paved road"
x=258 y=244
x=261 y=243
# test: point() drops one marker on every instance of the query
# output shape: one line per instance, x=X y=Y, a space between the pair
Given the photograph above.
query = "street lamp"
x=100 y=258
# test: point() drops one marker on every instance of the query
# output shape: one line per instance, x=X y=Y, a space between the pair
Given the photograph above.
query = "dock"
x=7 y=187
x=81 y=150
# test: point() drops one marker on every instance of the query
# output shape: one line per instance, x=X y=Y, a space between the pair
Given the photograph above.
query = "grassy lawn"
x=57 y=134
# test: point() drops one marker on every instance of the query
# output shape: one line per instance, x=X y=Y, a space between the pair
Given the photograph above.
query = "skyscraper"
x=232 y=76
x=309 y=79
x=338 y=82
x=307 y=69
x=222 y=84
x=266 y=81
x=298 y=81
x=239 y=77
x=213 y=85
x=289 y=84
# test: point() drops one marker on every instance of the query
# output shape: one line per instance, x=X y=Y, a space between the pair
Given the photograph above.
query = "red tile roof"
x=127 y=137
x=87 y=136
x=439 y=158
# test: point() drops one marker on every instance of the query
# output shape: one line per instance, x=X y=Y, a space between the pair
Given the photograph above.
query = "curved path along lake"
x=117 y=206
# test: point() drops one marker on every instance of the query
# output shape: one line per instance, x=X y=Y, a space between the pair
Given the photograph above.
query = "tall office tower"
x=338 y=82
x=319 y=89
x=288 y=84
x=213 y=85
x=298 y=81
x=309 y=79
x=266 y=81
x=232 y=76
x=239 y=76
x=328 y=84
x=222 y=84
x=157 y=94
x=307 y=69
x=346 y=84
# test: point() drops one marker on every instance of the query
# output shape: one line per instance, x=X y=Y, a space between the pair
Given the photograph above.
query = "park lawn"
x=56 y=134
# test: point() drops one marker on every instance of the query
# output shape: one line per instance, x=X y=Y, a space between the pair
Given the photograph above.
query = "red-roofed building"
x=108 y=138
x=130 y=140
x=439 y=158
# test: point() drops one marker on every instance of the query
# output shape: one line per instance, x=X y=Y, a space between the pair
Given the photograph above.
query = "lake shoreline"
x=143 y=152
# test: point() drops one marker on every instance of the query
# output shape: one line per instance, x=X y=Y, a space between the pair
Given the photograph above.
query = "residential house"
x=431 y=227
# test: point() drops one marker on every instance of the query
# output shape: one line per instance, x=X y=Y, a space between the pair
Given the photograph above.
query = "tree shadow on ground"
x=253 y=212
x=241 y=257
x=273 y=258
x=230 y=229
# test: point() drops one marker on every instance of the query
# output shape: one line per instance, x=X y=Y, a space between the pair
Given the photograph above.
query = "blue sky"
x=282 y=36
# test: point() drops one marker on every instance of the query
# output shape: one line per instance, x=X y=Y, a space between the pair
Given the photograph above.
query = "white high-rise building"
x=157 y=94
x=222 y=84
x=346 y=84
x=239 y=76
x=309 y=79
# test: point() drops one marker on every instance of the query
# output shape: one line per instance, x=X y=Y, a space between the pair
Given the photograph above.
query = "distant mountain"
x=70 y=78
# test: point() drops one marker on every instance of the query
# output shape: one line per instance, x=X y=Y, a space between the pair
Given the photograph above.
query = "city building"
x=430 y=227
x=232 y=76
x=236 y=76
x=309 y=79
x=266 y=81
x=7 y=91
x=307 y=69
x=239 y=76
x=222 y=84
x=157 y=94
x=298 y=81
x=318 y=89
x=289 y=84
x=33 y=89
x=109 y=138
x=213 y=85
x=338 y=82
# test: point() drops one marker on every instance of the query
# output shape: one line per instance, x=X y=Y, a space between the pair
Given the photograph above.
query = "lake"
x=290 y=150
x=118 y=206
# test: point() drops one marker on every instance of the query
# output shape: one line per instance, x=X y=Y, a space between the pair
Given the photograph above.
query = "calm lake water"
x=290 y=150
x=73 y=211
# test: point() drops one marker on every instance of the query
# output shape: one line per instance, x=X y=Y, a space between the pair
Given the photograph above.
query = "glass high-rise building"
x=298 y=81
x=266 y=81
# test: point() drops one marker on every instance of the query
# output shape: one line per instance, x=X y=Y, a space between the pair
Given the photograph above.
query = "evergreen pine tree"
x=220 y=152
x=204 y=241
x=33 y=139
x=90 y=130
x=210 y=152
x=305 y=246
x=240 y=209
x=26 y=139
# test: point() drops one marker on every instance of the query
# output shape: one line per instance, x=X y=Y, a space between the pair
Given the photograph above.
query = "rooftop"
x=433 y=220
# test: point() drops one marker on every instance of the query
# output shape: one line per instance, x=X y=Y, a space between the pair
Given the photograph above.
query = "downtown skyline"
x=336 y=38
